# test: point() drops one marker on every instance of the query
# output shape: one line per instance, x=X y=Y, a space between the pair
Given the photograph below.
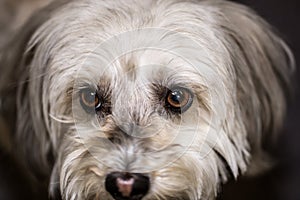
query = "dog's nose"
x=127 y=186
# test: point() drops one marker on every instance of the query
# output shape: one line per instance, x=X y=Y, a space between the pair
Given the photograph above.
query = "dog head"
x=157 y=100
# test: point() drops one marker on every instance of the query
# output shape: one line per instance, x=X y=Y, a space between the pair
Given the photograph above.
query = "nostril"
x=127 y=185
x=141 y=185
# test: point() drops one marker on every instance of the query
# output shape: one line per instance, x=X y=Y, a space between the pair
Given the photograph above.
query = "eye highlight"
x=90 y=100
x=179 y=99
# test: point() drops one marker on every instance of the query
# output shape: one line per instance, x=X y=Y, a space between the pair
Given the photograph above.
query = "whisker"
x=61 y=120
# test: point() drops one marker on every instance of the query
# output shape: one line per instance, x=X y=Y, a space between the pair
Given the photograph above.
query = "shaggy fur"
x=131 y=52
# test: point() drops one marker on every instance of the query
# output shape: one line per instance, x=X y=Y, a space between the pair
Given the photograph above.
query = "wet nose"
x=127 y=186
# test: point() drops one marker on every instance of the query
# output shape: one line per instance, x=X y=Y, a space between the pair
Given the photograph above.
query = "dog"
x=143 y=100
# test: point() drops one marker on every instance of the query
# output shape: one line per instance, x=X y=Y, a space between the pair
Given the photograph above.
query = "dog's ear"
x=21 y=110
x=263 y=64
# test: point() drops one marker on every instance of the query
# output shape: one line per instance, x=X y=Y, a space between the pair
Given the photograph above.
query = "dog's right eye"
x=179 y=99
x=90 y=100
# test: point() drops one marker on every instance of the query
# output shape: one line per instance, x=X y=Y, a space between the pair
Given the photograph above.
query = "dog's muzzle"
x=127 y=186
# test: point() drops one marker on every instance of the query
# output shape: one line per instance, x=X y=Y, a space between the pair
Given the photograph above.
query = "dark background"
x=281 y=183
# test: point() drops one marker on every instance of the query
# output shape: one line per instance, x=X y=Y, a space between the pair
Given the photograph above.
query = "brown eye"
x=179 y=99
x=90 y=100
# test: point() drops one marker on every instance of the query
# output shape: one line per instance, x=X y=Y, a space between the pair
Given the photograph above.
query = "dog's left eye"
x=90 y=100
x=179 y=99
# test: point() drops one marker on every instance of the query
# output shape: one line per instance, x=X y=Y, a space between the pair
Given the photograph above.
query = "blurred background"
x=281 y=183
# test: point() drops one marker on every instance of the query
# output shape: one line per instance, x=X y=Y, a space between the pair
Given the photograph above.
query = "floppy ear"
x=21 y=111
x=263 y=65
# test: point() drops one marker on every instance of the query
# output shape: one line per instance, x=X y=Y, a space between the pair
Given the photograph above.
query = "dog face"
x=159 y=100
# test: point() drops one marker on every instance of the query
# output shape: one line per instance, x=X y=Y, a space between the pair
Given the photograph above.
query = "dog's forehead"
x=133 y=56
x=141 y=68
x=140 y=49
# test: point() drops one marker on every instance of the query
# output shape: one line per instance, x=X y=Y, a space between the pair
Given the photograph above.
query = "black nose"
x=127 y=186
